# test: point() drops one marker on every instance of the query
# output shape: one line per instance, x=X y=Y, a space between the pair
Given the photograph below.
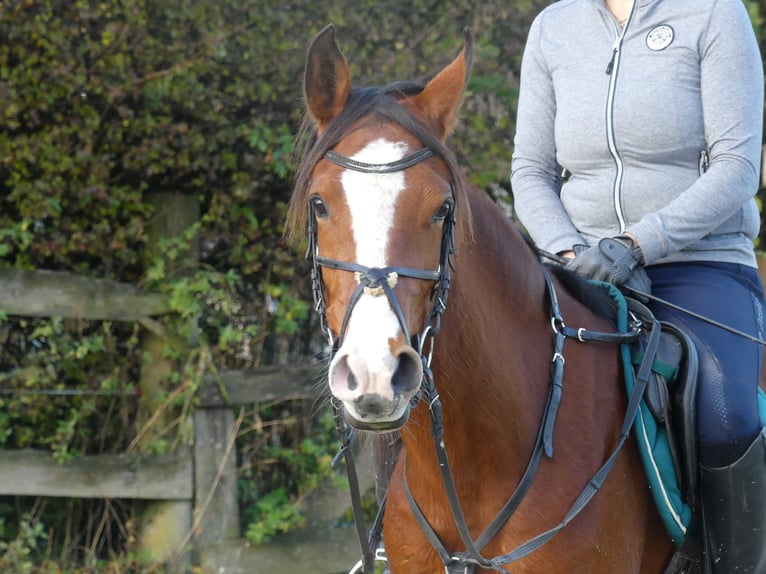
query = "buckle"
x=379 y=556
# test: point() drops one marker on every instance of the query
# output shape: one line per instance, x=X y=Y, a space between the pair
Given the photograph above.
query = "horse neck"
x=488 y=365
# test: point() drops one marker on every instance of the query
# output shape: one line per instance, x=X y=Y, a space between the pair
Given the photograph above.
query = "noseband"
x=381 y=280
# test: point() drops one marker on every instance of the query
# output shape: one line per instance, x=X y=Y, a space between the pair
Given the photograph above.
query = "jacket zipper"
x=611 y=71
x=704 y=162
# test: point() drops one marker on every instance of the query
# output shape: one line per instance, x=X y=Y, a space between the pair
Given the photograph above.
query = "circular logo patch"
x=659 y=37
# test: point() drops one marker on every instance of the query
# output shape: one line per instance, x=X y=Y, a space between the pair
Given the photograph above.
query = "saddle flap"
x=684 y=406
x=665 y=366
x=671 y=396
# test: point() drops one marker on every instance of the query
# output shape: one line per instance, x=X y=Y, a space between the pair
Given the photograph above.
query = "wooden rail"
x=35 y=473
x=40 y=293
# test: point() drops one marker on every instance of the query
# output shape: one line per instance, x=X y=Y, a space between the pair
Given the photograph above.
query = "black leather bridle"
x=379 y=278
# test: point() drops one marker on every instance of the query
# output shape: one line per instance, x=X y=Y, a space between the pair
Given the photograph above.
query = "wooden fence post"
x=216 y=509
x=164 y=525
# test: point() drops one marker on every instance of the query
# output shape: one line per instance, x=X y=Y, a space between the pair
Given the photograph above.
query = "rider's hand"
x=616 y=260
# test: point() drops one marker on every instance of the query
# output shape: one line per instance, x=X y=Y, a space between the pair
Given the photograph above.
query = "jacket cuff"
x=650 y=240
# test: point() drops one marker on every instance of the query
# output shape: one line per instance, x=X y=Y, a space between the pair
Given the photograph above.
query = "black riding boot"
x=734 y=508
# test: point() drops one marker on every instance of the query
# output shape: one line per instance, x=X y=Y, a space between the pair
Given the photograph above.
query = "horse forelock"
x=387 y=104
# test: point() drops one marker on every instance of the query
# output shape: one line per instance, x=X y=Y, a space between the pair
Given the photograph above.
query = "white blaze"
x=371 y=200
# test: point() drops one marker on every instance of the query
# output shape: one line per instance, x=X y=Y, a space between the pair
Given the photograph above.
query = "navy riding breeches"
x=730 y=365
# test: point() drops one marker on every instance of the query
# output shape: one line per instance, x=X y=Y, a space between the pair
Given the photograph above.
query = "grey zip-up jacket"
x=656 y=126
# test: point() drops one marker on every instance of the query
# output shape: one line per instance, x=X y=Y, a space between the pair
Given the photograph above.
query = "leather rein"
x=466 y=561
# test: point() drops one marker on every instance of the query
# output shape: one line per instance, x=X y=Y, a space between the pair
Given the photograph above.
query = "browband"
x=394 y=166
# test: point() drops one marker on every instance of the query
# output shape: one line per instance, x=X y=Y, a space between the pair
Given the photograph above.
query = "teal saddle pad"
x=653 y=442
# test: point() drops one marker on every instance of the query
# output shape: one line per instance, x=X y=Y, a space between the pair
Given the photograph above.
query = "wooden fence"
x=197 y=484
x=200 y=482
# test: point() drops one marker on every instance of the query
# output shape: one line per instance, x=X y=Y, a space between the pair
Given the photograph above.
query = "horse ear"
x=440 y=100
x=327 y=84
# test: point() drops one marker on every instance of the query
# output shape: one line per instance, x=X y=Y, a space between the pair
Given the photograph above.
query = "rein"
x=377 y=281
x=638 y=293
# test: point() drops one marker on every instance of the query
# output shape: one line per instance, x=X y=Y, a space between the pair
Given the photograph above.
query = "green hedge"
x=104 y=103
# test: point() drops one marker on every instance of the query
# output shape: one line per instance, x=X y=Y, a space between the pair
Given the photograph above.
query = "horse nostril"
x=352 y=384
x=408 y=373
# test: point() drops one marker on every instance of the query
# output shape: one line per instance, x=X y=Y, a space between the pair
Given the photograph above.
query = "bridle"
x=379 y=280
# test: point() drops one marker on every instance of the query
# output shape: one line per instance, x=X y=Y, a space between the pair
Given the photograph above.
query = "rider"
x=637 y=156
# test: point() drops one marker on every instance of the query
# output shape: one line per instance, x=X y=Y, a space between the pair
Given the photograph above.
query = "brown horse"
x=385 y=203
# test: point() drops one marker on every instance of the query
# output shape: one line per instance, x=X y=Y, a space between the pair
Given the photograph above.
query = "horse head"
x=377 y=190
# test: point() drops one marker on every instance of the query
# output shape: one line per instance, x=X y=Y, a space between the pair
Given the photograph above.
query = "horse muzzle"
x=376 y=391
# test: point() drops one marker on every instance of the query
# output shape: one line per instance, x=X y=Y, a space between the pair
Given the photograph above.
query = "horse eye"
x=443 y=211
x=320 y=209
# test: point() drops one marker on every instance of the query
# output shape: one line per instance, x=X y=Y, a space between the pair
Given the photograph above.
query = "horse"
x=419 y=276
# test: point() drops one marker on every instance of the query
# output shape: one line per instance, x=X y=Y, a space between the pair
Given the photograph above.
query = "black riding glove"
x=614 y=259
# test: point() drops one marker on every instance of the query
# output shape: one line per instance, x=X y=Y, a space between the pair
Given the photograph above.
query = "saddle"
x=671 y=396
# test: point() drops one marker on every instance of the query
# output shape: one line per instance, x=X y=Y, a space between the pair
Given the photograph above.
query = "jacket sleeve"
x=731 y=75
x=535 y=173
